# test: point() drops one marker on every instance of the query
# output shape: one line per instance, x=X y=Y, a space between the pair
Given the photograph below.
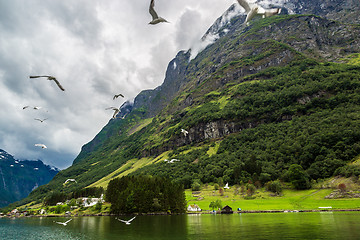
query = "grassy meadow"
x=289 y=200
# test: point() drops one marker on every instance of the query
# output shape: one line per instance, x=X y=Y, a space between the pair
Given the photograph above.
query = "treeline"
x=145 y=194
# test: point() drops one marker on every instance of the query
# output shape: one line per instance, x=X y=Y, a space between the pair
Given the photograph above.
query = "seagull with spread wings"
x=63 y=223
x=155 y=18
x=70 y=180
x=128 y=222
x=41 y=120
x=50 y=78
x=116 y=111
x=252 y=11
x=118 y=95
x=40 y=145
x=184 y=132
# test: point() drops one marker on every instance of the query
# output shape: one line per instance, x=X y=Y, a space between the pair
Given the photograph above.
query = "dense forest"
x=145 y=194
x=306 y=113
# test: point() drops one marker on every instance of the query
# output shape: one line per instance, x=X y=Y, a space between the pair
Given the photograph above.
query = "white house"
x=88 y=202
x=194 y=208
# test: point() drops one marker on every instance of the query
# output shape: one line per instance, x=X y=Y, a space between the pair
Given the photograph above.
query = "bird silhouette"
x=118 y=95
x=256 y=10
x=155 y=18
x=51 y=78
x=41 y=120
x=116 y=111
x=184 y=132
x=40 y=145
x=128 y=222
x=70 y=180
x=63 y=223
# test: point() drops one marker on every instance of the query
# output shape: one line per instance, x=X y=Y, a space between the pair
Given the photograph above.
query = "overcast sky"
x=95 y=48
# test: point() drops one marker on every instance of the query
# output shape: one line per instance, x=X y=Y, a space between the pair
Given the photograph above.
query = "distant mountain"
x=19 y=178
x=254 y=99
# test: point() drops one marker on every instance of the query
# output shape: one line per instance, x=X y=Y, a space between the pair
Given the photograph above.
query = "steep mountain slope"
x=19 y=178
x=282 y=90
x=151 y=102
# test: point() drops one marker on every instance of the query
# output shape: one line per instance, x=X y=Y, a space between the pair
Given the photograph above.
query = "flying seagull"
x=40 y=145
x=155 y=18
x=256 y=10
x=184 y=132
x=116 y=111
x=128 y=222
x=40 y=120
x=63 y=223
x=36 y=107
x=118 y=95
x=70 y=180
x=172 y=160
x=50 y=78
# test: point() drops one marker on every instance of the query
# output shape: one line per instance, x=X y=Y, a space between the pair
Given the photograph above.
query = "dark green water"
x=337 y=225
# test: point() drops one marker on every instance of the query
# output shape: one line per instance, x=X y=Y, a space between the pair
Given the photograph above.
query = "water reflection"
x=337 y=225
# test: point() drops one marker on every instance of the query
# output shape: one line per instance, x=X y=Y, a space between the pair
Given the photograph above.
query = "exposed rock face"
x=155 y=100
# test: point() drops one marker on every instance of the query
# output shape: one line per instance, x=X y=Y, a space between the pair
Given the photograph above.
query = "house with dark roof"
x=226 y=210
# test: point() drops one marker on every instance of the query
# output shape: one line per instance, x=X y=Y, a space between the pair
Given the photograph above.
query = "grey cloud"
x=95 y=48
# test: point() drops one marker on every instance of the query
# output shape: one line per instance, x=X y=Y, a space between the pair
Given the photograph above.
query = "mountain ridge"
x=239 y=85
x=20 y=177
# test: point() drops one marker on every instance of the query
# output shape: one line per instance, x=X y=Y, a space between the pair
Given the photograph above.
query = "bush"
x=298 y=177
x=196 y=185
x=98 y=206
x=342 y=187
x=250 y=189
x=274 y=186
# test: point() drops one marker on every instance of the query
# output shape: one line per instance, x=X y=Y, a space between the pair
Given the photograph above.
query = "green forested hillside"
x=282 y=91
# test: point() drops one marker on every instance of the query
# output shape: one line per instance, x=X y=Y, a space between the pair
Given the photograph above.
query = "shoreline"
x=187 y=213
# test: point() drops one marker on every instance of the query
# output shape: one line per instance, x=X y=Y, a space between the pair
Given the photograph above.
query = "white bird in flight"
x=116 y=111
x=64 y=223
x=50 y=78
x=184 y=132
x=118 y=95
x=70 y=180
x=40 y=145
x=128 y=222
x=227 y=186
x=256 y=10
x=172 y=160
x=155 y=18
x=41 y=120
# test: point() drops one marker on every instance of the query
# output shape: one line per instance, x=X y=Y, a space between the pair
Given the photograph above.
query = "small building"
x=226 y=210
x=194 y=208
x=15 y=211
x=89 y=202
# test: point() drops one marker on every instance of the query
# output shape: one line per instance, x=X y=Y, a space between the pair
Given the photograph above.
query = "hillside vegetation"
x=280 y=94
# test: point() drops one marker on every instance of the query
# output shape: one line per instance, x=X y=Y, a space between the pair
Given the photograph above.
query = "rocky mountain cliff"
x=326 y=45
x=19 y=178
x=257 y=99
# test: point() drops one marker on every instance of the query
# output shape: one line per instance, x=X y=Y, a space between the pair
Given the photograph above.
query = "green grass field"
x=289 y=200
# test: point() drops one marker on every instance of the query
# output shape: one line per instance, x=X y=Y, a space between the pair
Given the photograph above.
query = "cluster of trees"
x=143 y=194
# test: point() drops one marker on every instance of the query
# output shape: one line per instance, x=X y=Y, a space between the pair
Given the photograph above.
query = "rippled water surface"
x=326 y=225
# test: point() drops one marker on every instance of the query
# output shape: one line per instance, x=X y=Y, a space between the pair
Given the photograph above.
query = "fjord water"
x=323 y=225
